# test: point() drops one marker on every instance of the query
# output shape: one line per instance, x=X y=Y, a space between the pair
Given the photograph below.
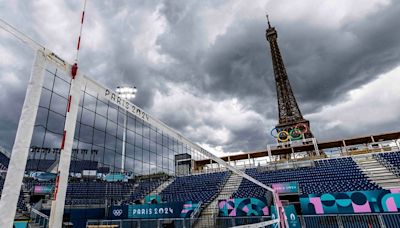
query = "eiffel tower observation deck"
x=290 y=116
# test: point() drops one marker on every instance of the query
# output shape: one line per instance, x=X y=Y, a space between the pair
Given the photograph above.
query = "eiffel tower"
x=289 y=113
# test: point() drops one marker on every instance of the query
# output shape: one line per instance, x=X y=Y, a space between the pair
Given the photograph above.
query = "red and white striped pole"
x=60 y=190
x=74 y=68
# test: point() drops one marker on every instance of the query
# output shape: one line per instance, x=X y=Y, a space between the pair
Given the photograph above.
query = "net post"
x=19 y=155
x=58 y=203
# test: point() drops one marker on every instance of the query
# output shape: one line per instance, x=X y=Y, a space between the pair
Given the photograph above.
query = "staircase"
x=210 y=212
x=160 y=188
x=54 y=167
x=376 y=172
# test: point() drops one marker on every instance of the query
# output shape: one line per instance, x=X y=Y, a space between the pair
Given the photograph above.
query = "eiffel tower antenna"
x=269 y=25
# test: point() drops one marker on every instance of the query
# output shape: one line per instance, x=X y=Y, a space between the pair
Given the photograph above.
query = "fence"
x=179 y=222
x=39 y=218
x=391 y=220
x=354 y=221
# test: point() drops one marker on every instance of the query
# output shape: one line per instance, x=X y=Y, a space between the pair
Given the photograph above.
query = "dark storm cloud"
x=323 y=63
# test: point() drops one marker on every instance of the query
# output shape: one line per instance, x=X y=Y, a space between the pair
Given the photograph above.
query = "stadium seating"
x=202 y=187
x=4 y=160
x=143 y=188
x=104 y=170
x=91 y=192
x=38 y=164
x=96 y=192
x=331 y=175
x=390 y=160
x=78 y=166
x=21 y=205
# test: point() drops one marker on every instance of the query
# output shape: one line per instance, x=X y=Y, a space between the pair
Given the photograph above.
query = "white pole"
x=314 y=141
x=269 y=153
x=124 y=142
x=19 y=155
x=57 y=205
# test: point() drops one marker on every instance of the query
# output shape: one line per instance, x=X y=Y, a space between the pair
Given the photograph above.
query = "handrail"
x=196 y=210
x=33 y=210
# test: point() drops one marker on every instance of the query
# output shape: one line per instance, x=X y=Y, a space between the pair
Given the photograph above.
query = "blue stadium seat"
x=202 y=187
x=4 y=160
x=38 y=164
x=390 y=160
x=330 y=175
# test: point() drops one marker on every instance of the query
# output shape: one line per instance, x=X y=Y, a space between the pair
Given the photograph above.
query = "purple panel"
x=316 y=201
x=361 y=208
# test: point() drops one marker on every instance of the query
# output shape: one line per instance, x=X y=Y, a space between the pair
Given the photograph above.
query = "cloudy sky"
x=204 y=67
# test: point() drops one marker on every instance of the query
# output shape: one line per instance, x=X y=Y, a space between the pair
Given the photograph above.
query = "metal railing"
x=383 y=220
x=39 y=218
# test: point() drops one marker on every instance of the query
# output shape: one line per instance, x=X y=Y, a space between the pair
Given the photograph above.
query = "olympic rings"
x=275 y=136
x=295 y=133
x=298 y=131
x=304 y=126
x=285 y=139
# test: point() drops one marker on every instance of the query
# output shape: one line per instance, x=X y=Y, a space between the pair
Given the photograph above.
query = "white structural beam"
x=20 y=36
x=20 y=151
x=58 y=203
x=124 y=142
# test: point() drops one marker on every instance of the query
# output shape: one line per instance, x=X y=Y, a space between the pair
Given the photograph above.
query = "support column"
x=124 y=142
x=314 y=141
x=397 y=143
x=372 y=142
x=269 y=153
x=294 y=157
x=248 y=158
x=57 y=205
x=345 y=147
x=20 y=151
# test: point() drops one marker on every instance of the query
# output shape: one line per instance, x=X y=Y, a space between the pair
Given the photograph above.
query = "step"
x=378 y=172
x=382 y=174
x=376 y=169
x=377 y=178
x=391 y=187
x=369 y=163
x=396 y=181
x=371 y=167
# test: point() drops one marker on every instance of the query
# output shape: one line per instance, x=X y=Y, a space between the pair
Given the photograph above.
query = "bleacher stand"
x=21 y=205
x=38 y=165
x=390 y=160
x=4 y=160
x=143 y=188
x=78 y=166
x=330 y=175
x=103 y=170
x=202 y=187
